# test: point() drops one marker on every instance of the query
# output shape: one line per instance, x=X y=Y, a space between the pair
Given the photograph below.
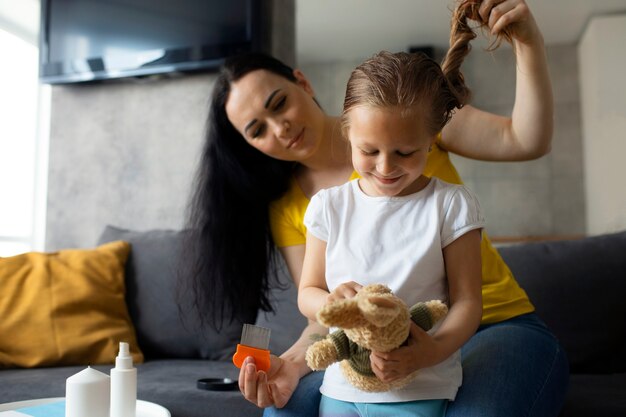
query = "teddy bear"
x=375 y=319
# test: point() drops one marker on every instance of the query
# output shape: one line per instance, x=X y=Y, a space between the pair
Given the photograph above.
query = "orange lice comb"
x=255 y=341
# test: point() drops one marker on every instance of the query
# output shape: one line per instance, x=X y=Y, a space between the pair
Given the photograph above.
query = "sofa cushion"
x=163 y=329
x=64 y=308
x=578 y=288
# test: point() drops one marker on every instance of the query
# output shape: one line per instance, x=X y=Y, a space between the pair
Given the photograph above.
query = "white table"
x=144 y=408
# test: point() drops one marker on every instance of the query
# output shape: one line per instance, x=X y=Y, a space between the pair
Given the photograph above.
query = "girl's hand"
x=345 y=290
x=420 y=352
x=272 y=389
x=513 y=15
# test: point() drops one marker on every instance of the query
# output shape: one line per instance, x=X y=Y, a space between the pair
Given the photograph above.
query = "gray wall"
x=123 y=153
x=541 y=197
x=602 y=58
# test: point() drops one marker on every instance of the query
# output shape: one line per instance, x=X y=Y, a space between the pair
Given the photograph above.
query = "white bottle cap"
x=123 y=359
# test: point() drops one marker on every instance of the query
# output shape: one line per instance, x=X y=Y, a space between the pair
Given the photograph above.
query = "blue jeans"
x=512 y=368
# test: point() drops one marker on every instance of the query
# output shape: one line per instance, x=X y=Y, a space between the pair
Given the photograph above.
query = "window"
x=23 y=146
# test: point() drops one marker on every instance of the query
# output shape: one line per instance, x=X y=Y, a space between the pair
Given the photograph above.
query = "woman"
x=270 y=147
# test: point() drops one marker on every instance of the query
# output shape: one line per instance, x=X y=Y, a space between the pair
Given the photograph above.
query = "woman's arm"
x=463 y=270
x=527 y=134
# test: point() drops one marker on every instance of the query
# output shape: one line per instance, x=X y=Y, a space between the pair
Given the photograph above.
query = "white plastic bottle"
x=123 y=384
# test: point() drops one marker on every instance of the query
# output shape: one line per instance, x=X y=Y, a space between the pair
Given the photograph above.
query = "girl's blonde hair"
x=406 y=80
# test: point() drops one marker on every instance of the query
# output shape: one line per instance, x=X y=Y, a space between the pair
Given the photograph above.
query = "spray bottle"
x=123 y=384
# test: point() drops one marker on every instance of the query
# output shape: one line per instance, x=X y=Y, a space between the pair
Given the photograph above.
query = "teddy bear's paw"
x=438 y=309
x=321 y=355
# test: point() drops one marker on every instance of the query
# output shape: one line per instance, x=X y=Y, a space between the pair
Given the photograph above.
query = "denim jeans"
x=512 y=368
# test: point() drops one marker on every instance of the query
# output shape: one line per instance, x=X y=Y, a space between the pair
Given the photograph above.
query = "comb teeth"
x=255 y=336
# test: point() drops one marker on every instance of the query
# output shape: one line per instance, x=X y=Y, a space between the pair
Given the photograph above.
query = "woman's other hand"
x=273 y=388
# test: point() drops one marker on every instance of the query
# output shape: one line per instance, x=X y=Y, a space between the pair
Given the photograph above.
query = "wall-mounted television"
x=90 y=40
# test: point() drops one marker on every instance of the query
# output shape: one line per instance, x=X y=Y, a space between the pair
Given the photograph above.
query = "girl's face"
x=389 y=150
x=275 y=115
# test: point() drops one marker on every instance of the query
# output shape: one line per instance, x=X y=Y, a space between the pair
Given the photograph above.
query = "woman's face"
x=275 y=115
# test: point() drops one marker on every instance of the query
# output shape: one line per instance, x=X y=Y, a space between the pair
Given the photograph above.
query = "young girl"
x=393 y=225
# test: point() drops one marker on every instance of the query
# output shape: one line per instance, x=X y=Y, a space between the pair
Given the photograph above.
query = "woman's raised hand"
x=514 y=15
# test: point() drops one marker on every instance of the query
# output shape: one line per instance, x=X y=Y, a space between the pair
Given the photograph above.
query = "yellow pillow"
x=65 y=308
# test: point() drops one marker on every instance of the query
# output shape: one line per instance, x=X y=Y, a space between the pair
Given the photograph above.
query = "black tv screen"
x=87 y=40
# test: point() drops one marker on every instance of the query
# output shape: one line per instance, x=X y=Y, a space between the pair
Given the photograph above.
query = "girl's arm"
x=463 y=269
x=527 y=134
x=312 y=291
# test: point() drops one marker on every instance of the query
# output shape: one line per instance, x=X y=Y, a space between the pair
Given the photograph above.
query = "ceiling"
x=21 y=17
x=328 y=30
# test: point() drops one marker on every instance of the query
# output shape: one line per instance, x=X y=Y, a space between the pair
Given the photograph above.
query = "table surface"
x=144 y=408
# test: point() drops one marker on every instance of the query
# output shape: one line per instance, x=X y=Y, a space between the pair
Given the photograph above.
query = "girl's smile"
x=387 y=180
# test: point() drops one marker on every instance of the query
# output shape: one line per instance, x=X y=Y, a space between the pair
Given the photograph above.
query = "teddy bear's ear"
x=379 y=310
x=344 y=314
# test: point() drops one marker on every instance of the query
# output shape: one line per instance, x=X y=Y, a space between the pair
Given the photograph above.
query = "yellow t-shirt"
x=503 y=298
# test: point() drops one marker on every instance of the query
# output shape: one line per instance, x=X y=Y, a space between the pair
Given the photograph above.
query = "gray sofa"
x=577 y=286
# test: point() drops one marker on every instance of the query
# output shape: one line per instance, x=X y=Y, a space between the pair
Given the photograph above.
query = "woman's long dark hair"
x=229 y=253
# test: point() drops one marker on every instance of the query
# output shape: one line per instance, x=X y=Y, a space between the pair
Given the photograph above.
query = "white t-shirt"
x=397 y=241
